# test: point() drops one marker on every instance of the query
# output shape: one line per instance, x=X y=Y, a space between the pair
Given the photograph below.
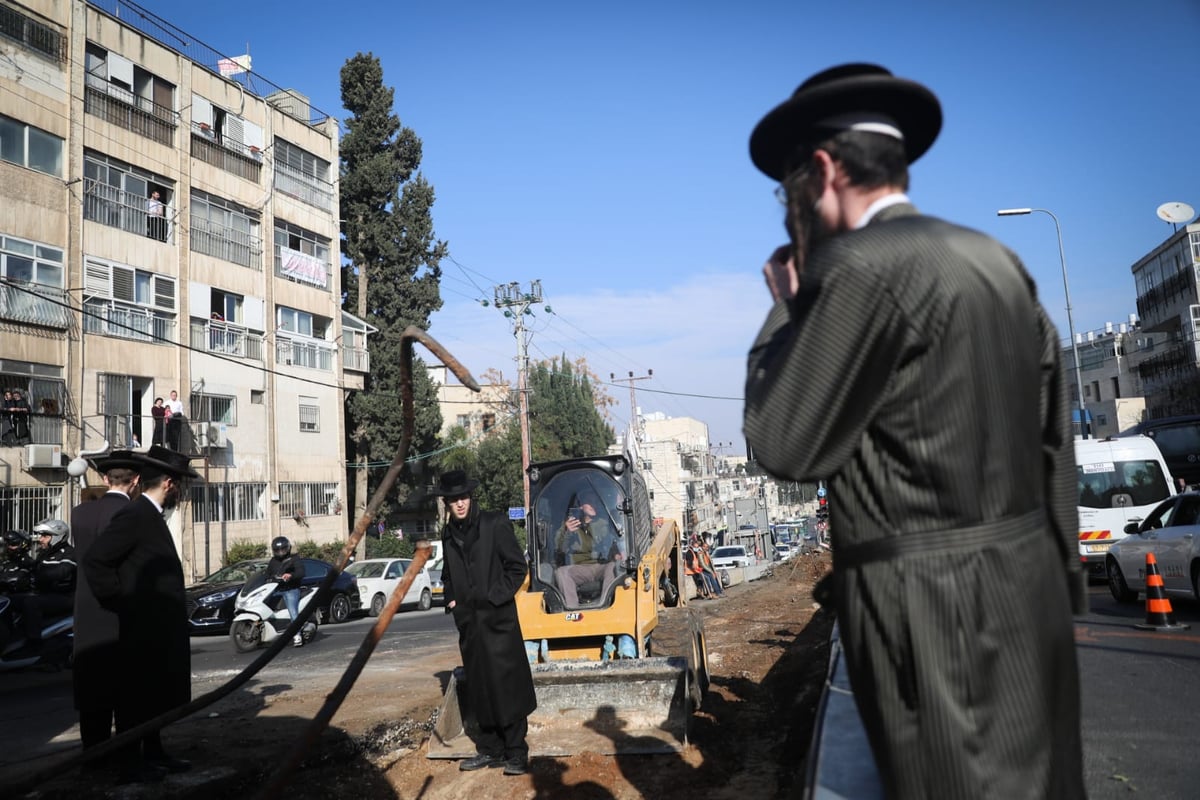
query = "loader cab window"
x=580 y=496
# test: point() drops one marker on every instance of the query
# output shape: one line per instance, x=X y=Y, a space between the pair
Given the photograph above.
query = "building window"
x=35 y=35
x=307 y=499
x=257 y=397
x=463 y=421
x=489 y=421
x=128 y=303
x=43 y=389
x=226 y=140
x=21 y=509
x=27 y=146
x=301 y=255
x=302 y=175
x=122 y=196
x=122 y=93
x=213 y=408
x=300 y=339
x=310 y=415
x=31 y=290
x=225 y=230
x=229 y=502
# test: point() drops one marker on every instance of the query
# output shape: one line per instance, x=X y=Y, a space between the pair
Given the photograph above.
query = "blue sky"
x=602 y=148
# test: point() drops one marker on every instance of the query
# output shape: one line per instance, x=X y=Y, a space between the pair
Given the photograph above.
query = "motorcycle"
x=53 y=650
x=260 y=615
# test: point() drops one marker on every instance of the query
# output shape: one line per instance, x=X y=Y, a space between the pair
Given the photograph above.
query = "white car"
x=730 y=555
x=1172 y=533
x=378 y=578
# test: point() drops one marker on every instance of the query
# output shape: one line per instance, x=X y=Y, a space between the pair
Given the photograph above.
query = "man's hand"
x=287 y=576
x=572 y=524
x=780 y=273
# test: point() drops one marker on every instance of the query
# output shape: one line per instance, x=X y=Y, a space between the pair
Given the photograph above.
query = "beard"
x=172 y=497
x=803 y=222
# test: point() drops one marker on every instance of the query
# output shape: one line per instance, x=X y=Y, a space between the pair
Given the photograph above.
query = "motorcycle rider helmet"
x=281 y=547
x=56 y=529
x=16 y=542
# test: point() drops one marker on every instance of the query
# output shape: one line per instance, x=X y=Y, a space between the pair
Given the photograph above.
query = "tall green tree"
x=390 y=272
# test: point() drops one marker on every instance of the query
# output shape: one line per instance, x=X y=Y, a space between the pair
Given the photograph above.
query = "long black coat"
x=95 y=668
x=482 y=578
x=918 y=372
x=134 y=570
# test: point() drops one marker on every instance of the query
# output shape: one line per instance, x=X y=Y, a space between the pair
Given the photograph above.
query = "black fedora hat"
x=454 y=483
x=829 y=99
x=161 y=461
x=118 y=458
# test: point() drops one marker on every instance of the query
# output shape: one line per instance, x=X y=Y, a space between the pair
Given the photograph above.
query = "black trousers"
x=505 y=740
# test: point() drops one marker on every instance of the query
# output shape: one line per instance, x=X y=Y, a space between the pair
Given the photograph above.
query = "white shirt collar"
x=880 y=205
x=154 y=503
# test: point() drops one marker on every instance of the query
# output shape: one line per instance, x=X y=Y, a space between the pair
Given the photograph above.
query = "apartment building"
x=1168 y=301
x=169 y=222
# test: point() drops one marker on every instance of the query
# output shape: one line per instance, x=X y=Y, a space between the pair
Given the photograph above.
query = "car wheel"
x=377 y=604
x=339 y=608
x=426 y=602
x=245 y=635
x=1116 y=583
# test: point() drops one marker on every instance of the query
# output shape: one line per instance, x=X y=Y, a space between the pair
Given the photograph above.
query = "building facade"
x=141 y=176
x=1168 y=301
x=1109 y=359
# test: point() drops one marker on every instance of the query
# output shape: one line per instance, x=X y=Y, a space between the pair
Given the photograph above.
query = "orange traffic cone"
x=1159 y=616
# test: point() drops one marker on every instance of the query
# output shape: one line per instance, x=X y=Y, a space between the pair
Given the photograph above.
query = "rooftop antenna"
x=1176 y=213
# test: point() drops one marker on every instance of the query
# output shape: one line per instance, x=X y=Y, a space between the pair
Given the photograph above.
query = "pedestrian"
x=174 y=418
x=483 y=569
x=159 y=414
x=156 y=219
x=95 y=669
x=134 y=570
x=289 y=569
x=708 y=570
x=939 y=417
x=18 y=410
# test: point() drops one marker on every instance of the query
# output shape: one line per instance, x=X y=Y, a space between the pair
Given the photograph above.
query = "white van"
x=1121 y=480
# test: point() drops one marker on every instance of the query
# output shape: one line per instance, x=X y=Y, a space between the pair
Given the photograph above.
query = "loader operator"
x=588 y=542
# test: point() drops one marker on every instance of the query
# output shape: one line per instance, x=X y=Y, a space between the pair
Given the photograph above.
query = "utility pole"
x=634 y=420
x=515 y=304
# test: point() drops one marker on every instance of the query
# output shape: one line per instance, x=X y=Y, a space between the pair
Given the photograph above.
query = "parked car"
x=1172 y=533
x=378 y=578
x=731 y=555
x=435 y=582
x=210 y=601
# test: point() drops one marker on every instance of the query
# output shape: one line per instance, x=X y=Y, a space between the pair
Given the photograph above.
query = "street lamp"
x=1016 y=212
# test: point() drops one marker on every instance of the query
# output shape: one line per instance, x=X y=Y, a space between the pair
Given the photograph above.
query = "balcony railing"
x=33 y=34
x=125 y=109
x=214 y=336
x=117 y=208
x=39 y=429
x=36 y=305
x=234 y=158
x=304 y=188
x=112 y=318
x=356 y=358
x=240 y=247
x=304 y=353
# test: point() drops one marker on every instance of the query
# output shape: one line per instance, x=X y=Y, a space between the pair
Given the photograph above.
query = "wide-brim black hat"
x=454 y=483
x=847 y=89
x=118 y=459
x=162 y=461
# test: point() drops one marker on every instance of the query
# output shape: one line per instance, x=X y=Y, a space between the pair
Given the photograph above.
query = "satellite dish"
x=1175 y=213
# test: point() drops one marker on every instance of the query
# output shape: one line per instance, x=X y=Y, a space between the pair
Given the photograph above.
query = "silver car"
x=1172 y=533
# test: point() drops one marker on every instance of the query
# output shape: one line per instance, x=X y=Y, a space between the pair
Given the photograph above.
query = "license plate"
x=1098 y=548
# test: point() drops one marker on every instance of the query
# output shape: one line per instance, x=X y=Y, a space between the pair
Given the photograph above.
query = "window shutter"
x=120 y=69
x=199 y=299
x=234 y=129
x=123 y=287
x=252 y=135
x=164 y=292
x=97 y=280
x=202 y=111
x=253 y=312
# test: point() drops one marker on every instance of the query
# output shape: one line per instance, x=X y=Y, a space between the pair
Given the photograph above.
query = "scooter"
x=54 y=649
x=260 y=615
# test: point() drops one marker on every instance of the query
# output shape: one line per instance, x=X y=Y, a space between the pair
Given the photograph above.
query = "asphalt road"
x=1141 y=701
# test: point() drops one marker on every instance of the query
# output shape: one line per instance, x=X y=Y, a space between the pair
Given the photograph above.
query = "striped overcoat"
x=916 y=370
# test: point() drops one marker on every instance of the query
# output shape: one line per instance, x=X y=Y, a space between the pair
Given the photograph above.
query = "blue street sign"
x=516 y=513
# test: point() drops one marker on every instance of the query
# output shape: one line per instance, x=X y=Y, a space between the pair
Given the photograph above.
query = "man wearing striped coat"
x=908 y=361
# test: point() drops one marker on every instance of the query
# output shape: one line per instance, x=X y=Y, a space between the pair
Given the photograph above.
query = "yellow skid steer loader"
x=618 y=659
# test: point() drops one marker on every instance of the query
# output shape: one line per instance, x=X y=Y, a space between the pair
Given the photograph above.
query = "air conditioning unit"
x=206 y=435
x=42 y=456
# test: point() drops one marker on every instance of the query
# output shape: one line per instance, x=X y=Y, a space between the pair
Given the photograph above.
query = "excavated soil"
x=768 y=653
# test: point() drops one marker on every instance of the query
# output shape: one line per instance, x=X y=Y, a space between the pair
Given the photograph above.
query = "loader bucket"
x=629 y=706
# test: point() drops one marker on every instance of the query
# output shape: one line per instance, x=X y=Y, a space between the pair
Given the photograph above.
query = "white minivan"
x=1121 y=480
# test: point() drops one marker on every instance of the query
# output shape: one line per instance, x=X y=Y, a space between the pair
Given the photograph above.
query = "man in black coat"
x=483 y=569
x=134 y=570
x=95 y=667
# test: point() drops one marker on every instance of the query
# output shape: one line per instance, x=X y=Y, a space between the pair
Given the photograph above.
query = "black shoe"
x=169 y=764
x=143 y=773
x=518 y=765
x=480 y=761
